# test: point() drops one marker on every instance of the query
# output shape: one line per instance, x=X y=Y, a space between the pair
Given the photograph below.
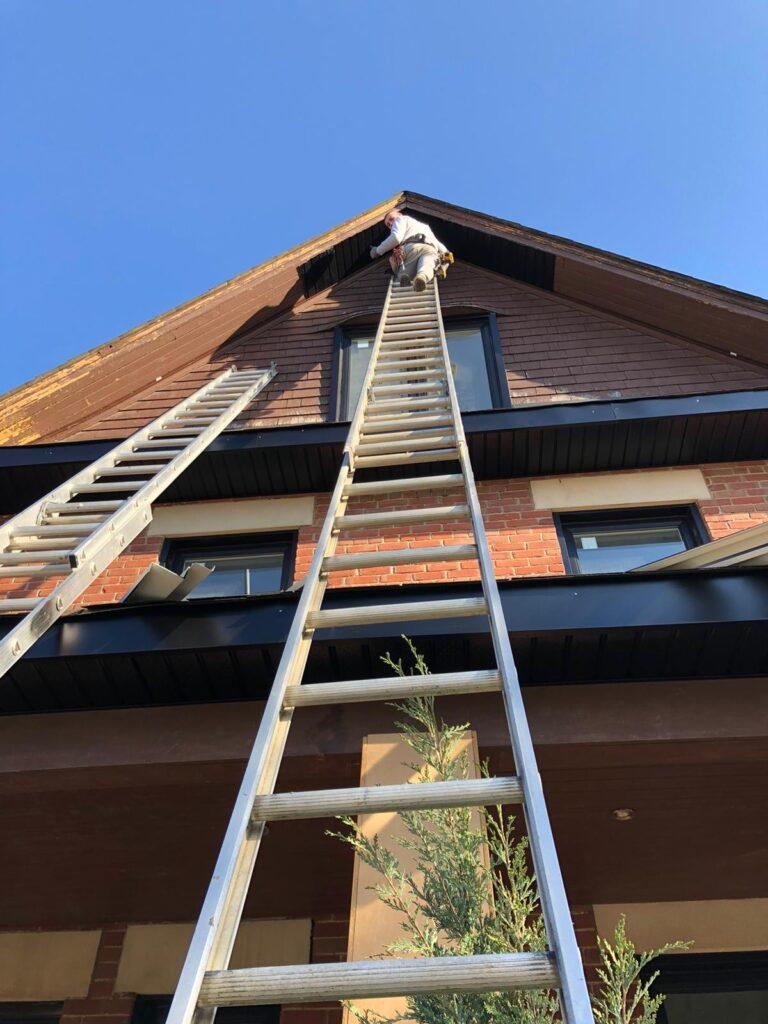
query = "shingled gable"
x=661 y=303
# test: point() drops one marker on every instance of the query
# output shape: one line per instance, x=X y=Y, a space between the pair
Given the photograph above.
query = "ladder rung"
x=27 y=545
x=403 y=422
x=366 y=979
x=183 y=434
x=155 y=453
x=356 y=691
x=408 y=796
x=50 y=519
x=19 y=604
x=413 y=483
x=414 y=364
x=160 y=443
x=54 y=569
x=99 y=488
x=28 y=557
x=203 y=421
x=409 y=357
x=148 y=469
x=404 y=433
x=403 y=612
x=421 y=344
x=406 y=375
x=82 y=506
x=402 y=404
x=409 y=443
x=443 y=455
x=397 y=518
x=407 y=332
x=52 y=531
x=409 y=389
x=409 y=556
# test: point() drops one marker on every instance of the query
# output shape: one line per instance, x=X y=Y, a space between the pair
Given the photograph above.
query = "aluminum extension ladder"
x=407 y=414
x=74 y=533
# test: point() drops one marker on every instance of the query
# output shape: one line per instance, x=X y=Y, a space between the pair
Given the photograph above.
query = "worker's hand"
x=374 y=252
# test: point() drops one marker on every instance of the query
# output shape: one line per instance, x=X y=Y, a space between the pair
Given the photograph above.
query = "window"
x=241 y=565
x=30 y=1013
x=154 y=1010
x=595 y=542
x=474 y=350
x=713 y=988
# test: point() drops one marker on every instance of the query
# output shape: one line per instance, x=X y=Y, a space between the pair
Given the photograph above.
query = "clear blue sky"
x=153 y=149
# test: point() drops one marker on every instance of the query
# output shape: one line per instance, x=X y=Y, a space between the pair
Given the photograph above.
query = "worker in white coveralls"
x=415 y=253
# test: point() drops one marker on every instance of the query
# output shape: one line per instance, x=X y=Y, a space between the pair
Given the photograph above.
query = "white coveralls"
x=419 y=258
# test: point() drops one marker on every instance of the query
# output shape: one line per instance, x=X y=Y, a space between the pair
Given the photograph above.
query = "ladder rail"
x=63 y=491
x=205 y=982
x=555 y=910
x=214 y=936
x=105 y=542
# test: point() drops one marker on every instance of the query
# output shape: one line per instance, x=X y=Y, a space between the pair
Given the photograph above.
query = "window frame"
x=154 y=1010
x=686 y=517
x=704 y=973
x=494 y=361
x=176 y=550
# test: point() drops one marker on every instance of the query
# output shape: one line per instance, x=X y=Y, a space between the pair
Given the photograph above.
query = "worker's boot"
x=419 y=282
x=404 y=280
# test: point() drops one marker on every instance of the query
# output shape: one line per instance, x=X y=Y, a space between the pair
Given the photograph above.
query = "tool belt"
x=398 y=253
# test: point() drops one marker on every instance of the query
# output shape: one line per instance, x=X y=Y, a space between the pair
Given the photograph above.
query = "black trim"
x=31 y=1013
x=564 y=630
x=154 y=1010
x=686 y=518
x=526 y=441
x=176 y=550
x=710 y=972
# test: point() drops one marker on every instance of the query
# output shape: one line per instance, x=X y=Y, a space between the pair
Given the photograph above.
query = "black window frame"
x=686 y=517
x=494 y=361
x=46 y=1012
x=700 y=973
x=154 y=1010
x=176 y=550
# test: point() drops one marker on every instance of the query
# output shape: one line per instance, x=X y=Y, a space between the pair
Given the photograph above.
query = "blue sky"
x=153 y=149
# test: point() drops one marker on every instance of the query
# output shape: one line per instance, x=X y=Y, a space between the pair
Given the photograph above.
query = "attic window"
x=474 y=350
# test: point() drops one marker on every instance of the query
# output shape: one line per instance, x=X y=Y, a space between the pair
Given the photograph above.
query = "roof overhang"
x=673 y=305
x=563 y=630
x=523 y=442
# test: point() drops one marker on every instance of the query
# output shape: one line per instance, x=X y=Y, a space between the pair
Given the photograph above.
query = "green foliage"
x=624 y=998
x=473 y=892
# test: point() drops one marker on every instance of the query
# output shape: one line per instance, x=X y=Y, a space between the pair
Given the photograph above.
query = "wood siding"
x=554 y=352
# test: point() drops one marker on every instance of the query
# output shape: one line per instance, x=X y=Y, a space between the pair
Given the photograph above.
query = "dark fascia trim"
x=520 y=418
x=533 y=607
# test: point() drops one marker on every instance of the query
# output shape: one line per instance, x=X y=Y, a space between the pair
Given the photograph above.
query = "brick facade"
x=102 y=1005
x=523 y=539
x=554 y=352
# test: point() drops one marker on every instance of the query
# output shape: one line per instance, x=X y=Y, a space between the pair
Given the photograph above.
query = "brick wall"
x=102 y=1005
x=329 y=945
x=553 y=351
x=523 y=541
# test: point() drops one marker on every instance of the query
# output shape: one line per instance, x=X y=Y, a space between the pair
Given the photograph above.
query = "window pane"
x=616 y=548
x=467 y=354
x=717 y=1008
x=359 y=355
x=236 y=575
x=470 y=372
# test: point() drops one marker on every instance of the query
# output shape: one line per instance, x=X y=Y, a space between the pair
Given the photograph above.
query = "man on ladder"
x=416 y=254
